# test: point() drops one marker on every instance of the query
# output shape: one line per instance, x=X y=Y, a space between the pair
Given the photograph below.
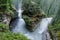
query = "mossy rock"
x=32 y=16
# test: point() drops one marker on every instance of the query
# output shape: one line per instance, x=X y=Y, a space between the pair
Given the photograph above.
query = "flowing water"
x=38 y=34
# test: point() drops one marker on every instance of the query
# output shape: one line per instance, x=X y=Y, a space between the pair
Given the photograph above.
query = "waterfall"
x=41 y=31
x=20 y=22
x=38 y=34
x=44 y=24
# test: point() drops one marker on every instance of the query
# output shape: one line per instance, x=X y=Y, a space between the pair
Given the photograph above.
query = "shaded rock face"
x=32 y=16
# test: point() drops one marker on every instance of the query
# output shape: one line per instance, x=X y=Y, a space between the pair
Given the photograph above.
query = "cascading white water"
x=20 y=22
x=38 y=34
x=44 y=24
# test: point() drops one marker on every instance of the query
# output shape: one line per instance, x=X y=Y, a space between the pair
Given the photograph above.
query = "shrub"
x=55 y=29
x=27 y=19
x=12 y=36
x=3 y=26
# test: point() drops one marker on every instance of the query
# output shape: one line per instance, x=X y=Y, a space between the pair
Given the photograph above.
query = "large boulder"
x=32 y=16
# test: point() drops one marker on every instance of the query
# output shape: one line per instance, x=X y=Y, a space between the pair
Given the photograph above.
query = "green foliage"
x=6 y=8
x=27 y=19
x=55 y=29
x=32 y=8
x=3 y=26
x=4 y=4
x=11 y=36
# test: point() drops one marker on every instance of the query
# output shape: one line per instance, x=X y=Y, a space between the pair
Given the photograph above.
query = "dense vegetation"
x=54 y=28
x=6 y=8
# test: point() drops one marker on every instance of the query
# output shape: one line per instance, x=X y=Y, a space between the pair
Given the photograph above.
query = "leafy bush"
x=11 y=36
x=8 y=9
x=55 y=29
x=3 y=26
x=27 y=19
